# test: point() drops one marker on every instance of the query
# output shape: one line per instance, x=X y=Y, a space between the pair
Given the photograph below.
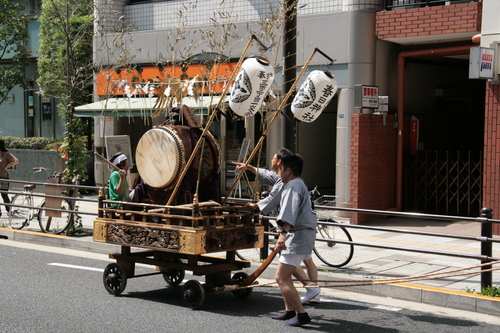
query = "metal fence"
x=443 y=182
x=38 y=199
x=485 y=238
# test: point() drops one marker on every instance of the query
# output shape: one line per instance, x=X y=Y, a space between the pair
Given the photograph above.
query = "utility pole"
x=288 y=127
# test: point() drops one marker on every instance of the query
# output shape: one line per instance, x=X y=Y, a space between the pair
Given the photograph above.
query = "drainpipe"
x=440 y=52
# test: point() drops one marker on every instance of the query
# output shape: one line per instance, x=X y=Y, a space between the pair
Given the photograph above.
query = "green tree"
x=65 y=70
x=13 y=50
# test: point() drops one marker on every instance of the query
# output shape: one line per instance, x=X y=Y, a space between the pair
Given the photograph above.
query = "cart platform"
x=178 y=239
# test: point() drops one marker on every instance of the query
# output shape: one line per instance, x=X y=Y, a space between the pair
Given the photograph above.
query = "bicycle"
x=328 y=249
x=23 y=210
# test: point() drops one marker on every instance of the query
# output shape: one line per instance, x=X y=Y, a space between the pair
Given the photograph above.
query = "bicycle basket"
x=325 y=200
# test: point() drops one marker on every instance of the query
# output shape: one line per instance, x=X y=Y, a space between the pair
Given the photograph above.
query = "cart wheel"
x=241 y=293
x=115 y=279
x=174 y=277
x=193 y=294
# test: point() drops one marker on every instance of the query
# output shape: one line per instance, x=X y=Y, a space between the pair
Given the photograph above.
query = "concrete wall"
x=28 y=159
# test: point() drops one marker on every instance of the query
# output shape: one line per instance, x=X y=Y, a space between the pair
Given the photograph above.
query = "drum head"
x=160 y=157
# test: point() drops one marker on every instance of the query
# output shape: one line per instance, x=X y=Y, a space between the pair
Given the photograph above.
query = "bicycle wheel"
x=249 y=254
x=18 y=216
x=55 y=225
x=332 y=253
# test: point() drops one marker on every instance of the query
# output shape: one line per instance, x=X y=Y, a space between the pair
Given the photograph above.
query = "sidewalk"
x=367 y=266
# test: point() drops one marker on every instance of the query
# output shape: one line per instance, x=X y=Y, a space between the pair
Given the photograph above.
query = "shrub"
x=35 y=143
x=492 y=291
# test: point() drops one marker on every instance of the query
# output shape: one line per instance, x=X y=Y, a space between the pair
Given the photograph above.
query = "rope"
x=423 y=276
x=351 y=283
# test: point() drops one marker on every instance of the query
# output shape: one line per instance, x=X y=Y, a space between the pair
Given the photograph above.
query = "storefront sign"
x=47 y=112
x=365 y=96
x=481 y=63
x=9 y=98
x=170 y=79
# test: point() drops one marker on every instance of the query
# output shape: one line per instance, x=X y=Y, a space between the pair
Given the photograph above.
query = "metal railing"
x=406 y=4
x=486 y=238
x=71 y=195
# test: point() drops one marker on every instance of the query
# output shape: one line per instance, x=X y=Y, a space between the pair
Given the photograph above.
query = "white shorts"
x=293 y=259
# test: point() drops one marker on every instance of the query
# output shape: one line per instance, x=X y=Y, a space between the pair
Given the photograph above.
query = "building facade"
x=431 y=149
x=26 y=113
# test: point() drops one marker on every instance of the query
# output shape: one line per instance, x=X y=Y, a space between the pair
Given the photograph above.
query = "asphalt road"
x=46 y=289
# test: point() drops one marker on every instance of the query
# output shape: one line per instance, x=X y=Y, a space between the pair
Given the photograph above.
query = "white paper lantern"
x=251 y=86
x=313 y=96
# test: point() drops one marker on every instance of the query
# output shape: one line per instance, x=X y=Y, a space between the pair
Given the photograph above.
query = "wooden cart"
x=176 y=239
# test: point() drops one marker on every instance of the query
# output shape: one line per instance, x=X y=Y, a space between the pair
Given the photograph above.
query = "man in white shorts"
x=270 y=204
x=296 y=238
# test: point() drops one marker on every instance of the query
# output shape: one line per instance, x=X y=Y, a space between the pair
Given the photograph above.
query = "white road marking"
x=367 y=305
x=76 y=267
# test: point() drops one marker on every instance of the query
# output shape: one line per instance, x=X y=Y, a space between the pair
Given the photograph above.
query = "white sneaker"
x=315 y=300
x=310 y=293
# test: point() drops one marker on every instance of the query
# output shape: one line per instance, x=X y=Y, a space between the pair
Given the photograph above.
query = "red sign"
x=152 y=80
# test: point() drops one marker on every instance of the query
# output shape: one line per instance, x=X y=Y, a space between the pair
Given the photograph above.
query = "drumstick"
x=264 y=134
x=107 y=161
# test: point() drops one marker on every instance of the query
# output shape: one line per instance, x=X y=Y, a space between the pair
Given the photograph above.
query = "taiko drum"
x=162 y=154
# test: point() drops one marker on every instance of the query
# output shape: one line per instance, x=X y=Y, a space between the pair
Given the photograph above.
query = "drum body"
x=162 y=154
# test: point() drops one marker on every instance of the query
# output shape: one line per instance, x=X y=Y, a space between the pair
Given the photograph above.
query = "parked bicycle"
x=24 y=209
x=328 y=249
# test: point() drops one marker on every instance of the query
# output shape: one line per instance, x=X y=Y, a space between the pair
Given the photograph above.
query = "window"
x=35 y=7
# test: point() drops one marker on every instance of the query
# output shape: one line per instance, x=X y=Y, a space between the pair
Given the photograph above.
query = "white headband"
x=119 y=159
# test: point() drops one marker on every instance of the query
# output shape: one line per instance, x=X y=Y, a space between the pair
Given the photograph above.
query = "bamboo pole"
x=261 y=140
x=209 y=122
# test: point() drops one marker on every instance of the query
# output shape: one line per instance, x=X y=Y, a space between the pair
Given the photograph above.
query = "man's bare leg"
x=312 y=270
x=290 y=295
x=300 y=275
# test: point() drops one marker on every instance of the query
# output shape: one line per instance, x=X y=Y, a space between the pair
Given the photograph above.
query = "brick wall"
x=373 y=165
x=427 y=21
x=491 y=172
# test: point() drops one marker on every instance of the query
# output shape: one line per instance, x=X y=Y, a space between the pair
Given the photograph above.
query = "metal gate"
x=443 y=182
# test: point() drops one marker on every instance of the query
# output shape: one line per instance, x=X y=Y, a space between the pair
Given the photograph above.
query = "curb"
x=408 y=292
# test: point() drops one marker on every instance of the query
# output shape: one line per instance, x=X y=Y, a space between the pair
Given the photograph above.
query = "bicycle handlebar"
x=314 y=193
x=39 y=169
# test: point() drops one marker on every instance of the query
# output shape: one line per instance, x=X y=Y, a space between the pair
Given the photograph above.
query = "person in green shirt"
x=118 y=185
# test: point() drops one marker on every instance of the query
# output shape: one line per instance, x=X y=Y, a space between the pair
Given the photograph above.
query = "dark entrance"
x=444 y=176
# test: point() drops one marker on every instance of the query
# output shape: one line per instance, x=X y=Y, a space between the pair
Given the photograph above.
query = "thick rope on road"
x=364 y=282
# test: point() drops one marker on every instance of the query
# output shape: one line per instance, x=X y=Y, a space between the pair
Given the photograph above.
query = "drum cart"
x=217 y=272
x=176 y=239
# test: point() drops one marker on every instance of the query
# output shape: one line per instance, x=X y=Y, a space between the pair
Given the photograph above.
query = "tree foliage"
x=66 y=69
x=65 y=62
x=13 y=50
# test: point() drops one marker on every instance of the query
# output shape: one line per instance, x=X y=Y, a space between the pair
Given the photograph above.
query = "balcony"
x=428 y=21
x=407 y=4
